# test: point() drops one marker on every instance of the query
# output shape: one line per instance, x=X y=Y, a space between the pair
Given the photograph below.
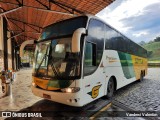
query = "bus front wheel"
x=110 y=88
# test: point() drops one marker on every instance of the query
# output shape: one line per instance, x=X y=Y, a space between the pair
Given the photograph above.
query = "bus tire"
x=141 y=77
x=110 y=88
x=144 y=73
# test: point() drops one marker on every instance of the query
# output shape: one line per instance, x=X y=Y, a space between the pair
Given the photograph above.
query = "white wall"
x=1 y=33
x=9 y=43
x=1 y=45
x=9 y=51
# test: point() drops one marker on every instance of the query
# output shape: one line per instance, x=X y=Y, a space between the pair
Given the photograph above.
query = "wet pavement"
x=142 y=96
x=138 y=96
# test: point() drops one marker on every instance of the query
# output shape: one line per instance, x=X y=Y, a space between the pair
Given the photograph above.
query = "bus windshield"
x=54 y=58
x=63 y=28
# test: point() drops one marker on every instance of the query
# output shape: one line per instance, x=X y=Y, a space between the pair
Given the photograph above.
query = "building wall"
x=1 y=45
x=9 y=51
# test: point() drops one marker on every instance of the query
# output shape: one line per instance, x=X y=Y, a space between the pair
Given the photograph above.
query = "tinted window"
x=96 y=39
x=66 y=27
x=90 y=58
x=116 y=41
x=110 y=37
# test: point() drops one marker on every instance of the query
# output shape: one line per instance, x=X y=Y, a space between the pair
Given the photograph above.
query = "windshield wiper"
x=54 y=70
x=45 y=55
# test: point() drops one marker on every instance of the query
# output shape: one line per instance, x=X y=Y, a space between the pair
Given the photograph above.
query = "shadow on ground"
x=50 y=110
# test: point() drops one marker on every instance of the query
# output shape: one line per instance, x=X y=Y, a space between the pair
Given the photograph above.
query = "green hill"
x=153 y=51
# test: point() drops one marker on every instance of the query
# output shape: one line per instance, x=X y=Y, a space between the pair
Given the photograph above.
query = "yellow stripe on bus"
x=139 y=64
x=43 y=84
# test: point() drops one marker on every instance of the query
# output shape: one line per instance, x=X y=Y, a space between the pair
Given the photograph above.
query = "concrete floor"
x=21 y=95
x=21 y=99
x=132 y=95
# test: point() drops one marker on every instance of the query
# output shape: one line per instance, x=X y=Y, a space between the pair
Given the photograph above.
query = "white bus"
x=81 y=59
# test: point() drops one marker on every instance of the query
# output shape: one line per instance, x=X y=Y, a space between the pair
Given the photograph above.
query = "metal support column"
x=17 y=57
x=13 y=53
x=5 y=45
x=18 y=60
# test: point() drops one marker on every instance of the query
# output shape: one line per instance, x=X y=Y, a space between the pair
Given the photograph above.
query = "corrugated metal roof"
x=31 y=16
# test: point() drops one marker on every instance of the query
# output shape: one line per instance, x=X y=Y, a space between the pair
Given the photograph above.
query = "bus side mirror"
x=76 y=39
x=23 y=46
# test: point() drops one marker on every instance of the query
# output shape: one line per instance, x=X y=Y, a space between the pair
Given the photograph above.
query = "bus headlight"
x=70 y=90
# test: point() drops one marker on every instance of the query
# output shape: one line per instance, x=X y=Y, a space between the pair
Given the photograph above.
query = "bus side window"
x=94 y=46
x=90 y=58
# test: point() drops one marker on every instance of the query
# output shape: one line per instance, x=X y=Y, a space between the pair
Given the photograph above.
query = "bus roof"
x=90 y=16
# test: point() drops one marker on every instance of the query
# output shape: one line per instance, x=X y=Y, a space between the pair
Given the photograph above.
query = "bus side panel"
x=139 y=64
x=93 y=86
x=113 y=67
x=127 y=65
x=120 y=65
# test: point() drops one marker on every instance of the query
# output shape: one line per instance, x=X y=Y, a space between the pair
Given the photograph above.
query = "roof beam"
x=8 y=3
x=32 y=32
x=7 y=20
x=28 y=26
x=20 y=4
x=16 y=30
x=67 y=6
x=62 y=7
x=17 y=25
x=2 y=9
x=16 y=35
x=12 y=10
x=53 y=11
x=33 y=28
x=29 y=37
x=26 y=31
x=25 y=23
x=42 y=4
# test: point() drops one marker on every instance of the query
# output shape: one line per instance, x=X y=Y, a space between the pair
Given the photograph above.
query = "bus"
x=81 y=59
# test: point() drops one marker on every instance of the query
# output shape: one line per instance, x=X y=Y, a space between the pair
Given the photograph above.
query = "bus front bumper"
x=72 y=99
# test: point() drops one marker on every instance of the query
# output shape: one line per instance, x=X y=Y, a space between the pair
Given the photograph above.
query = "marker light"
x=33 y=84
x=70 y=90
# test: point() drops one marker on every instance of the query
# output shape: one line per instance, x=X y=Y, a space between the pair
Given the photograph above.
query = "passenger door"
x=93 y=76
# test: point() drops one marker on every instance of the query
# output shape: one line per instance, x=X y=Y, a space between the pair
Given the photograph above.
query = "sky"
x=138 y=20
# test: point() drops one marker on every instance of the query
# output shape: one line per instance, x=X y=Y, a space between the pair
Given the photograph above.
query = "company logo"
x=95 y=91
x=111 y=59
x=15 y=114
x=6 y=114
x=138 y=61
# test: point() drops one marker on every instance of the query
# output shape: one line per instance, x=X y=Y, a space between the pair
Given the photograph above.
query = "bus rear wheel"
x=110 y=88
x=141 y=76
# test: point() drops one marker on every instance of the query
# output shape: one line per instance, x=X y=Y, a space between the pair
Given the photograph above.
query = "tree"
x=149 y=53
x=150 y=42
x=142 y=43
x=157 y=39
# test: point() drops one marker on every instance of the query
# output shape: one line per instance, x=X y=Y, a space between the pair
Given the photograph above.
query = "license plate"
x=46 y=96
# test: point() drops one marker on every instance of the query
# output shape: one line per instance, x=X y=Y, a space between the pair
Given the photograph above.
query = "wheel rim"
x=141 y=78
x=110 y=87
